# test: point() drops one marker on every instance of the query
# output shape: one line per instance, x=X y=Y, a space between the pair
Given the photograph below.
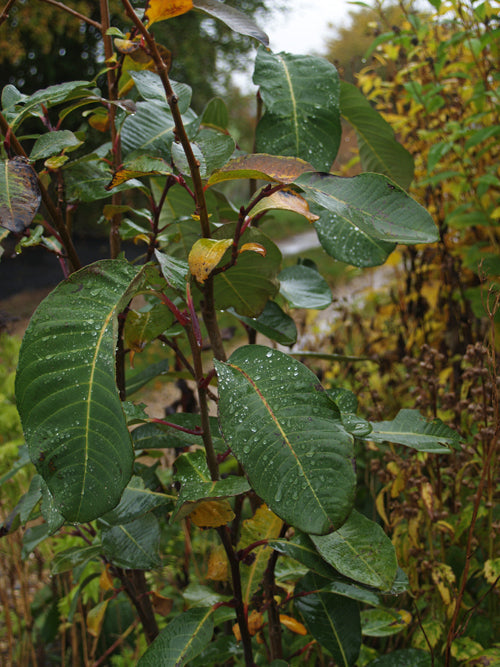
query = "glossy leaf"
x=263 y=167
x=175 y=271
x=159 y=10
x=408 y=657
x=150 y=87
x=66 y=560
x=196 y=484
x=263 y=525
x=20 y=194
x=410 y=429
x=286 y=433
x=150 y=129
x=86 y=181
x=211 y=149
x=302 y=549
x=379 y=150
x=361 y=218
x=136 y=501
x=304 y=287
x=143 y=327
x=272 y=323
x=301 y=95
x=215 y=114
x=233 y=18
x=53 y=143
x=331 y=619
x=361 y=551
x=285 y=200
x=205 y=255
x=81 y=446
x=249 y=284
x=182 y=640
x=212 y=514
x=134 y=545
x=138 y=167
x=383 y=622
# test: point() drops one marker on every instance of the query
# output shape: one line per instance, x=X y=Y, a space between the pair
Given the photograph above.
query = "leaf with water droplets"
x=72 y=417
x=287 y=434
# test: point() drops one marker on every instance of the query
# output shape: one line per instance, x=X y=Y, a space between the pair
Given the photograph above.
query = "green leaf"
x=66 y=393
x=302 y=549
x=361 y=218
x=53 y=518
x=196 y=483
x=361 y=551
x=135 y=502
x=87 y=180
x=137 y=380
x=410 y=429
x=215 y=114
x=144 y=326
x=249 y=284
x=73 y=557
x=20 y=194
x=134 y=545
x=382 y=622
x=333 y=620
x=175 y=271
x=272 y=322
x=304 y=287
x=54 y=143
x=150 y=87
x=409 y=657
x=285 y=432
x=31 y=498
x=301 y=96
x=263 y=525
x=378 y=148
x=233 y=18
x=182 y=640
x=212 y=149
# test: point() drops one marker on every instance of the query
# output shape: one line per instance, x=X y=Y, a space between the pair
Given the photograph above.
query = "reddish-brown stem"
x=65 y=8
x=192 y=431
x=114 y=232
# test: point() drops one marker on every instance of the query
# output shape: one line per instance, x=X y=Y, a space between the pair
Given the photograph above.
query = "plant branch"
x=65 y=8
x=241 y=616
x=54 y=213
x=172 y=100
x=5 y=12
x=116 y=220
x=134 y=583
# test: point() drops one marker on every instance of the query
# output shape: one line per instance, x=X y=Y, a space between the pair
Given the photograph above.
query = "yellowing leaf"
x=212 y=514
x=126 y=45
x=95 y=618
x=492 y=570
x=106 y=580
x=55 y=162
x=100 y=121
x=428 y=498
x=160 y=10
x=205 y=255
x=255 y=622
x=293 y=625
x=161 y=604
x=261 y=166
x=217 y=564
x=254 y=247
x=285 y=200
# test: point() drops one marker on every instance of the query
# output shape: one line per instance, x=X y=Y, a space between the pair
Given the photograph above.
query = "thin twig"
x=5 y=12
x=65 y=8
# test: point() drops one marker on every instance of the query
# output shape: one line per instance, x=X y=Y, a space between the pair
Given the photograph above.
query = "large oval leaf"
x=134 y=545
x=182 y=640
x=301 y=95
x=304 y=287
x=333 y=620
x=361 y=218
x=66 y=393
x=361 y=551
x=233 y=18
x=287 y=435
x=378 y=149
